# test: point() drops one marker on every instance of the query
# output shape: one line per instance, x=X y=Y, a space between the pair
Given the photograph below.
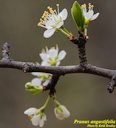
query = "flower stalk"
x=65 y=32
x=45 y=104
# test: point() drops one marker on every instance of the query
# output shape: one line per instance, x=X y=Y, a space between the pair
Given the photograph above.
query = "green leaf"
x=77 y=15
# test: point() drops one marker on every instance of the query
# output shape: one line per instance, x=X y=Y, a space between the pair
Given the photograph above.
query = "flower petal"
x=30 y=111
x=35 y=73
x=61 y=55
x=46 y=82
x=61 y=112
x=44 y=56
x=89 y=14
x=42 y=120
x=52 y=53
x=95 y=16
x=49 y=24
x=60 y=24
x=44 y=117
x=63 y=14
x=41 y=123
x=36 y=82
x=45 y=63
x=65 y=111
x=59 y=115
x=84 y=11
x=58 y=63
x=35 y=120
x=49 y=32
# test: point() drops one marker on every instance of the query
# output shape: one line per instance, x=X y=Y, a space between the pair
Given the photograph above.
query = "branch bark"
x=6 y=62
x=61 y=70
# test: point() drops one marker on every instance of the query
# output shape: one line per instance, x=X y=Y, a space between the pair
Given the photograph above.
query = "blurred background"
x=86 y=96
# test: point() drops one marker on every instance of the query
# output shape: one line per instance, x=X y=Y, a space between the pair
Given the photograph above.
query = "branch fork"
x=57 y=71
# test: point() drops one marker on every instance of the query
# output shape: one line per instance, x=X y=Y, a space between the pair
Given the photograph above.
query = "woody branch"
x=7 y=62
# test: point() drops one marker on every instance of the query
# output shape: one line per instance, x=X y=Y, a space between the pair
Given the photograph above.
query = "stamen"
x=57 y=8
x=50 y=9
x=47 y=15
x=90 y=6
x=57 y=5
x=83 y=6
x=46 y=49
x=41 y=20
x=40 y=23
x=54 y=11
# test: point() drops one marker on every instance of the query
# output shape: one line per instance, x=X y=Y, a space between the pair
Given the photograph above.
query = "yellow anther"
x=90 y=6
x=57 y=5
x=48 y=7
x=39 y=24
x=45 y=19
x=46 y=15
x=51 y=10
x=41 y=20
x=83 y=6
x=42 y=16
x=46 y=12
x=54 y=10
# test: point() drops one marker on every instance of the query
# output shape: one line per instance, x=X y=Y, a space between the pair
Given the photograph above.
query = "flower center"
x=50 y=15
x=90 y=6
x=83 y=6
x=53 y=61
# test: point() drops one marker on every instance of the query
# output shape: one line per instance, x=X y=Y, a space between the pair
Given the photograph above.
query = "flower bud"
x=61 y=112
x=34 y=89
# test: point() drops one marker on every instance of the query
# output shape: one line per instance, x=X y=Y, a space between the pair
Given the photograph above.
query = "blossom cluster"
x=38 y=116
x=53 y=20
x=49 y=57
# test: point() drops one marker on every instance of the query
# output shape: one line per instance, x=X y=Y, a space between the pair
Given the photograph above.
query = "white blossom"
x=89 y=15
x=41 y=75
x=36 y=82
x=52 y=57
x=61 y=112
x=44 y=77
x=35 y=86
x=52 y=20
x=36 y=117
x=31 y=111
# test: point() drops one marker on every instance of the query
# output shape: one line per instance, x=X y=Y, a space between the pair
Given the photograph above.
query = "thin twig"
x=5 y=51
